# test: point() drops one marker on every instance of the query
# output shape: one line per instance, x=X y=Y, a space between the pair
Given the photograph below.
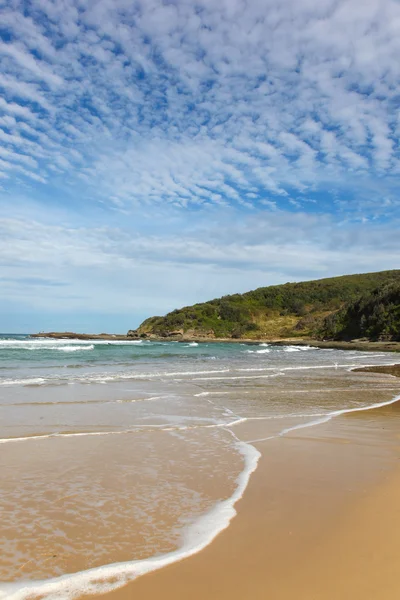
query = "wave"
x=83 y=402
x=62 y=348
x=106 y=377
x=298 y=348
x=324 y=418
x=199 y=375
x=237 y=377
x=28 y=381
x=45 y=436
x=198 y=535
x=94 y=581
x=47 y=343
x=103 y=378
x=73 y=348
x=191 y=345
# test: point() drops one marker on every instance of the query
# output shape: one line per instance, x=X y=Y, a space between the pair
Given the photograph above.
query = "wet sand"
x=319 y=521
x=393 y=370
x=297 y=522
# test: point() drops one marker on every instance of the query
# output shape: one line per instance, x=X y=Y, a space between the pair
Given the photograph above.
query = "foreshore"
x=361 y=345
x=329 y=445
x=393 y=370
x=318 y=520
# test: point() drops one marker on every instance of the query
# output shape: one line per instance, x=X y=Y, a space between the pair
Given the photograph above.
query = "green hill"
x=279 y=311
x=375 y=316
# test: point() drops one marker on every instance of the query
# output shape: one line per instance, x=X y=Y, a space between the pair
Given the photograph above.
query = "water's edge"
x=198 y=536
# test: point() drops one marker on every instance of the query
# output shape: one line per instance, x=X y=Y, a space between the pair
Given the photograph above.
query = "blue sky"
x=154 y=154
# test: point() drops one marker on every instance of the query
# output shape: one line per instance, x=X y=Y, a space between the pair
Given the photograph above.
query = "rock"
x=132 y=333
x=69 y=335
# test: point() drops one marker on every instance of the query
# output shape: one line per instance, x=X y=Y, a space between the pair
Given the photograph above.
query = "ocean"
x=120 y=457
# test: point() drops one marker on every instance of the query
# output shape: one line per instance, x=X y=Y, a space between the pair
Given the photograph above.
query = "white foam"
x=103 y=378
x=74 y=348
x=44 y=436
x=120 y=376
x=50 y=343
x=198 y=536
x=60 y=348
x=166 y=374
x=286 y=416
x=106 y=378
x=94 y=581
x=191 y=345
x=235 y=377
x=327 y=417
x=348 y=366
x=294 y=348
x=133 y=429
x=32 y=381
x=311 y=367
x=254 y=369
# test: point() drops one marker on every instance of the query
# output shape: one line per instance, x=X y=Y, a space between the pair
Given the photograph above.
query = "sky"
x=156 y=154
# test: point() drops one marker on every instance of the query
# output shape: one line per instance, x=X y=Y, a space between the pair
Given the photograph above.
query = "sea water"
x=120 y=457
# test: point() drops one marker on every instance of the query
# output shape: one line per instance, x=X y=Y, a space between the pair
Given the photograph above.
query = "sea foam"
x=55 y=344
x=109 y=577
x=197 y=537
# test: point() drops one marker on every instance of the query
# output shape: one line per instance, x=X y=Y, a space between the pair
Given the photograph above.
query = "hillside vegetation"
x=375 y=316
x=280 y=311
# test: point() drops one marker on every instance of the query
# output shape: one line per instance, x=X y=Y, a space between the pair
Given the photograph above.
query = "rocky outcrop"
x=177 y=333
x=132 y=333
x=70 y=335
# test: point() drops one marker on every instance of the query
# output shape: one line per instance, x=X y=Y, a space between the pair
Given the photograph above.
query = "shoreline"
x=291 y=519
x=363 y=346
x=100 y=581
x=393 y=370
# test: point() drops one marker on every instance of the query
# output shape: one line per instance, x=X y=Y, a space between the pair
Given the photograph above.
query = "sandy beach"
x=319 y=520
x=200 y=300
x=122 y=457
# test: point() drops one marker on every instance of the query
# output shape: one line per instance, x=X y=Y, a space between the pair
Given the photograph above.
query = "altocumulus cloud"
x=236 y=143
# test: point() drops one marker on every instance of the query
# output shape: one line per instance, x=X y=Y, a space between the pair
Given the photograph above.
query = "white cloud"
x=144 y=125
x=272 y=95
x=229 y=256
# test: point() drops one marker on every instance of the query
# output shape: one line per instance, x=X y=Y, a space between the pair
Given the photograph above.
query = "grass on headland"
x=341 y=308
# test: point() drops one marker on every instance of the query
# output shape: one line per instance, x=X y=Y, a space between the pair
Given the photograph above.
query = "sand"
x=393 y=370
x=320 y=520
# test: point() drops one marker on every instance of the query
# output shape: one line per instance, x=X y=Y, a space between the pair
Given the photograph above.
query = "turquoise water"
x=28 y=361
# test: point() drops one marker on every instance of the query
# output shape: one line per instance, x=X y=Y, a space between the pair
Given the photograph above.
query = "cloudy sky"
x=158 y=153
